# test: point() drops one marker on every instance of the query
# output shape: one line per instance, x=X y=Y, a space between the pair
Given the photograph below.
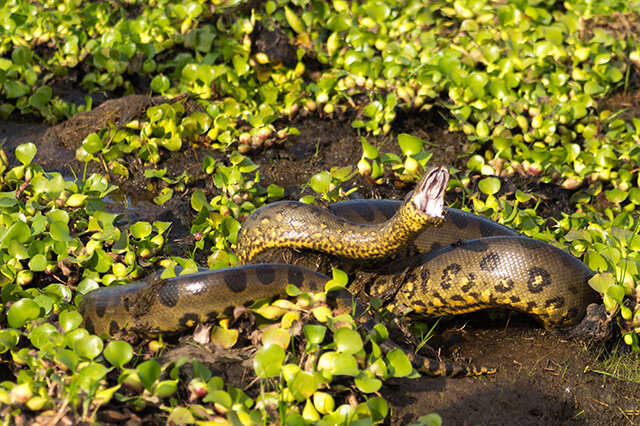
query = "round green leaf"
x=409 y=144
x=8 y=339
x=180 y=416
x=18 y=231
x=89 y=346
x=26 y=152
x=338 y=364
x=141 y=229
x=268 y=361
x=489 y=185
x=320 y=182
x=160 y=84
x=70 y=320
x=314 y=333
x=347 y=341
x=38 y=262
x=165 y=388
x=304 y=385
x=41 y=334
x=366 y=382
x=59 y=231
x=21 y=312
x=399 y=364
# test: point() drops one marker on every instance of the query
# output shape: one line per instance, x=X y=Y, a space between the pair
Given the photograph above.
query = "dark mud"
x=543 y=378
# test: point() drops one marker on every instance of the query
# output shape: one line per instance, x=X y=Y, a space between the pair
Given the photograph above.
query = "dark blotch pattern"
x=168 y=295
x=529 y=243
x=457 y=298
x=505 y=286
x=236 y=280
x=572 y=313
x=266 y=275
x=88 y=324
x=113 y=327
x=471 y=282
x=477 y=246
x=366 y=213
x=212 y=315
x=101 y=309
x=486 y=229
x=558 y=302
x=435 y=246
x=448 y=275
x=189 y=320
x=490 y=262
x=295 y=277
x=539 y=278
x=459 y=220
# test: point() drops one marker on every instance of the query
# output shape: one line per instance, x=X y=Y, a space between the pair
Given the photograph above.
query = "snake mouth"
x=429 y=195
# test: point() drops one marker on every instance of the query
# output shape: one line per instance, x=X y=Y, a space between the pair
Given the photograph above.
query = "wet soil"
x=543 y=377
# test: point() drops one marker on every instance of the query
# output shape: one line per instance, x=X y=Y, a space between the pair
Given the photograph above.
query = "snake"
x=457 y=262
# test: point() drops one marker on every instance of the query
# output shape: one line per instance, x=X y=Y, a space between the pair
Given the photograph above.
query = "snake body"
x=496 y=268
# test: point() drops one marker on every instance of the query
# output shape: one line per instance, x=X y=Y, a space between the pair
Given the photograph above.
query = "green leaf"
x=70 y=320
x=164 y=196
x=118 y=353
x=616 y=196
x=268 y=361
x=320 y=182
x=149 y=373
x=15 y=89
x=409 y=144
x=165 y=388
x=347 y=341
x=41 y=97
x=8 y=339
x=59 y=231
x=616 y=292
x=141 y=229
x=160 y=84
x=399 y=364
x=489 y=185
x=21 y=312
x=38 y=262
x=314 y=333
x=26 y=152
x=304 y=385
x=338 y=364
x=294 y=22
x=42 y=335
x=366 y=382
x=67 y=358
x=88 y=346
x=275 y=191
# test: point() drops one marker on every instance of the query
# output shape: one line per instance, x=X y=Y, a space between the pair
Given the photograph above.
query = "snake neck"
x=300 y=226
x=320 y=231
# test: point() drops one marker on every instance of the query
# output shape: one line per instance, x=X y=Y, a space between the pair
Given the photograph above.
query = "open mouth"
x=429 y=196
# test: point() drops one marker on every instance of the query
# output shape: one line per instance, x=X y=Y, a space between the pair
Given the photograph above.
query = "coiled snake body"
x=496 y=268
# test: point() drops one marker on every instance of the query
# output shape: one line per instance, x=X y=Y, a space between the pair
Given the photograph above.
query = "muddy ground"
x=542 y=378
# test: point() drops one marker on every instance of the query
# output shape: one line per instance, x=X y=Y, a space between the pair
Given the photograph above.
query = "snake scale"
x=464 y=263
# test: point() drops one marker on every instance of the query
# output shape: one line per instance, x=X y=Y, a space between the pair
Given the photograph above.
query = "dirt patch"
x=543 y=378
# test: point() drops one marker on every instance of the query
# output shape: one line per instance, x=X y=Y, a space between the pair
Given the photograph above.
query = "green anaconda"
x=509 y=271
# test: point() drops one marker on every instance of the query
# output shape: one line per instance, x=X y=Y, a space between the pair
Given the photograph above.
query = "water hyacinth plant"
x=528 y=83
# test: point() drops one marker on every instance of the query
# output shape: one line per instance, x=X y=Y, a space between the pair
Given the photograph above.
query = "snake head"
x=429 y=194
